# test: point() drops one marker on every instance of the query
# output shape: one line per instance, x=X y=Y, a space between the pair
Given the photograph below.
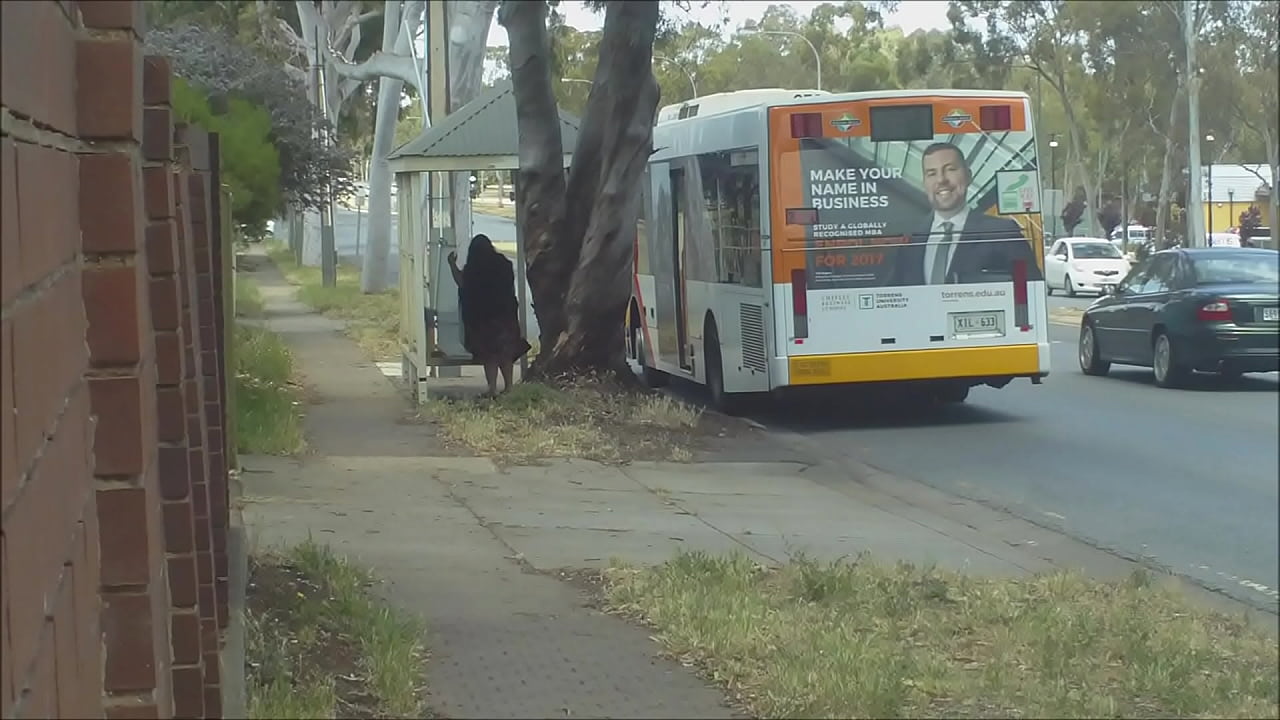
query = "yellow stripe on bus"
x=915 y=365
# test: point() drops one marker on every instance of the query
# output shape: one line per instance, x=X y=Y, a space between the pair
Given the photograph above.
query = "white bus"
x=798 y=238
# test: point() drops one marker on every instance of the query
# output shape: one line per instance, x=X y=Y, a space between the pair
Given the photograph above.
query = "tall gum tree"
x=1046 y=37
x=579 y=232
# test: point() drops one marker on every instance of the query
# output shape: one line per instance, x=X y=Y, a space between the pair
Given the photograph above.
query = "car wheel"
x=1091 y=362
x=1069 y=287
x=1168 y=370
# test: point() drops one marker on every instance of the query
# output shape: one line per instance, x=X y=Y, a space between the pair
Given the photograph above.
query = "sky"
x=911 y=15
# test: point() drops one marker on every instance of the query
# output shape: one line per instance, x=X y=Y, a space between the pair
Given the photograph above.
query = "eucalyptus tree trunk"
x=373 y=271
x=1166 y=169
x=580 y=233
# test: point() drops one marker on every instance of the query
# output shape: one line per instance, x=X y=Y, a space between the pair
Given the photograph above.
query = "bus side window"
x=741 y=197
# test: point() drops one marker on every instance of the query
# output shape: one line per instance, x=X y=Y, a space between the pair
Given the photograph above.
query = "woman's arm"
x=453 y=267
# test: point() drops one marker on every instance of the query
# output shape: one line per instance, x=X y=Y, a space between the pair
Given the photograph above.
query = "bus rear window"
x=901 y=123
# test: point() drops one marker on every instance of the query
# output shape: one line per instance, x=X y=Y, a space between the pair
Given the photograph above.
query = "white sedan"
x=1081 y=264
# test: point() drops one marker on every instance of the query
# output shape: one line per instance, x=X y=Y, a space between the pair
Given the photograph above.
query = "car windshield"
x=1090 y=251
x=1233 y=269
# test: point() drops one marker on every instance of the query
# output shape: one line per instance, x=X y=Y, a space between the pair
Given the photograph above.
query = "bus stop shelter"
x=481 y=135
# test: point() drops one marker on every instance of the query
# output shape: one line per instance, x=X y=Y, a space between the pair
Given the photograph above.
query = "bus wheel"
x=727 y=403
x=652 y=378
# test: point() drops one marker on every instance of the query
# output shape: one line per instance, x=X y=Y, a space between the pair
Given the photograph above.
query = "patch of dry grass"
x=589 y=419
x=857 y=639
x=373 y=321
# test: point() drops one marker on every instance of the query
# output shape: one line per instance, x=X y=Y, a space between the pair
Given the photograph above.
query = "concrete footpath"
x=472 y=549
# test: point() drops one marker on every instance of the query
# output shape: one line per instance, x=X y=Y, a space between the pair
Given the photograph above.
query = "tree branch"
x=378 y=65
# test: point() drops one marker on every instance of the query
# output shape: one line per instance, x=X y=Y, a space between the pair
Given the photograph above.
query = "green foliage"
x=251 y=165
x=1250 y=220
x=1103 y=76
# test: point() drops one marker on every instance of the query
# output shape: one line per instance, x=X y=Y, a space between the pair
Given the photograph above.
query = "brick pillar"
x=219 y=490
x=188 y=673
x=50 y=636
x=191 y=214
x=122 y=375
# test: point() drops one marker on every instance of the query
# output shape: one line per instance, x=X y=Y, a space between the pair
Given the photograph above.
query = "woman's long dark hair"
x=488 y=285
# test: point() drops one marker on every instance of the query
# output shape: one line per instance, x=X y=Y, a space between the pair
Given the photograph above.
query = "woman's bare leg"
x=507 y=370
x=491 y=377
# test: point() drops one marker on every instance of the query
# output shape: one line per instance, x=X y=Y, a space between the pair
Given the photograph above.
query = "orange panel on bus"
x=952 y=116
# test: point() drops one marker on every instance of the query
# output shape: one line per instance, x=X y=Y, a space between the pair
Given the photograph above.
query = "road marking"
x=1055 y=515
x=390 y=369
x=1244 y=582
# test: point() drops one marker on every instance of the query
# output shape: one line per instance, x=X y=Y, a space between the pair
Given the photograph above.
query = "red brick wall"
x=112 y=548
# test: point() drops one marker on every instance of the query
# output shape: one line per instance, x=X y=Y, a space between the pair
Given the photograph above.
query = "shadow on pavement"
x=854 y=408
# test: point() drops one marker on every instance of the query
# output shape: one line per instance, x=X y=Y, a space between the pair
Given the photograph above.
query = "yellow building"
x=1229 y=190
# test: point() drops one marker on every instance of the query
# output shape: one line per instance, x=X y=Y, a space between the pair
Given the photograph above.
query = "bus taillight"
x=806 y=125
x=802 y=216
x=1020 y=312
x=800 y=302
x=995 y=117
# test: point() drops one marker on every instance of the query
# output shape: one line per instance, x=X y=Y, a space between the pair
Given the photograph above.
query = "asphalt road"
x=1185 y=479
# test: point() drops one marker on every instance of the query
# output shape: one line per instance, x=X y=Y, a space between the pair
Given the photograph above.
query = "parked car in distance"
x=1178 y=311
x=1083 y=264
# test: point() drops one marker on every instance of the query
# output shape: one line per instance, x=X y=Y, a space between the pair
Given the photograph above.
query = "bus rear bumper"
x=982 y=365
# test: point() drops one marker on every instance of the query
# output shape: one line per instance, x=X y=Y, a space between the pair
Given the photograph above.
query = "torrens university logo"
x=956 y=118
x=845 y=122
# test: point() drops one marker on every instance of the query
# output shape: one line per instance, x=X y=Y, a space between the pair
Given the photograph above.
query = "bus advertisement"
x=887 y=237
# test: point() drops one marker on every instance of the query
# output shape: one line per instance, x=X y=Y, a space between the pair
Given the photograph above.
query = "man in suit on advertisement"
x=950 y=248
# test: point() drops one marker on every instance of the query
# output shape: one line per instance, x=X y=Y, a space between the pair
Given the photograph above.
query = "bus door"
x=666 y=266
x=678 y=235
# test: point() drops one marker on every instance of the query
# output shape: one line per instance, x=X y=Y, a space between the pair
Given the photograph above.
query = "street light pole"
x=692 y=82
x=816 y=57
x=1209 y=139
x=1053 y=181
x=1053 y=160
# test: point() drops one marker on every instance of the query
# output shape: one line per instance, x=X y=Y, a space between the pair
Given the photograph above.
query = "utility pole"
x=1195 y=204
x=328 y=253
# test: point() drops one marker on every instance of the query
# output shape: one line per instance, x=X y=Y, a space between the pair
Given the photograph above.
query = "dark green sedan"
x=1188 y=309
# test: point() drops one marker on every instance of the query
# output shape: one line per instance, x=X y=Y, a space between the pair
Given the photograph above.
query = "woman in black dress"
x=490 y=311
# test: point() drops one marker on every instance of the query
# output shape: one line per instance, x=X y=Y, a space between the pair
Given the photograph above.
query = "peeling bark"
x=608 y=164
x=540 y=179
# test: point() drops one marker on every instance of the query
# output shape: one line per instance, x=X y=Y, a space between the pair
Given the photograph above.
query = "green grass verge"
x=268 y=414
x=320 y=645
x=373 y=321
x=248 y=297
x=862 y=640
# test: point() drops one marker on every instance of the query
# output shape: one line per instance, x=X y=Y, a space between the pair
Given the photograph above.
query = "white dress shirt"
x=936 y=234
